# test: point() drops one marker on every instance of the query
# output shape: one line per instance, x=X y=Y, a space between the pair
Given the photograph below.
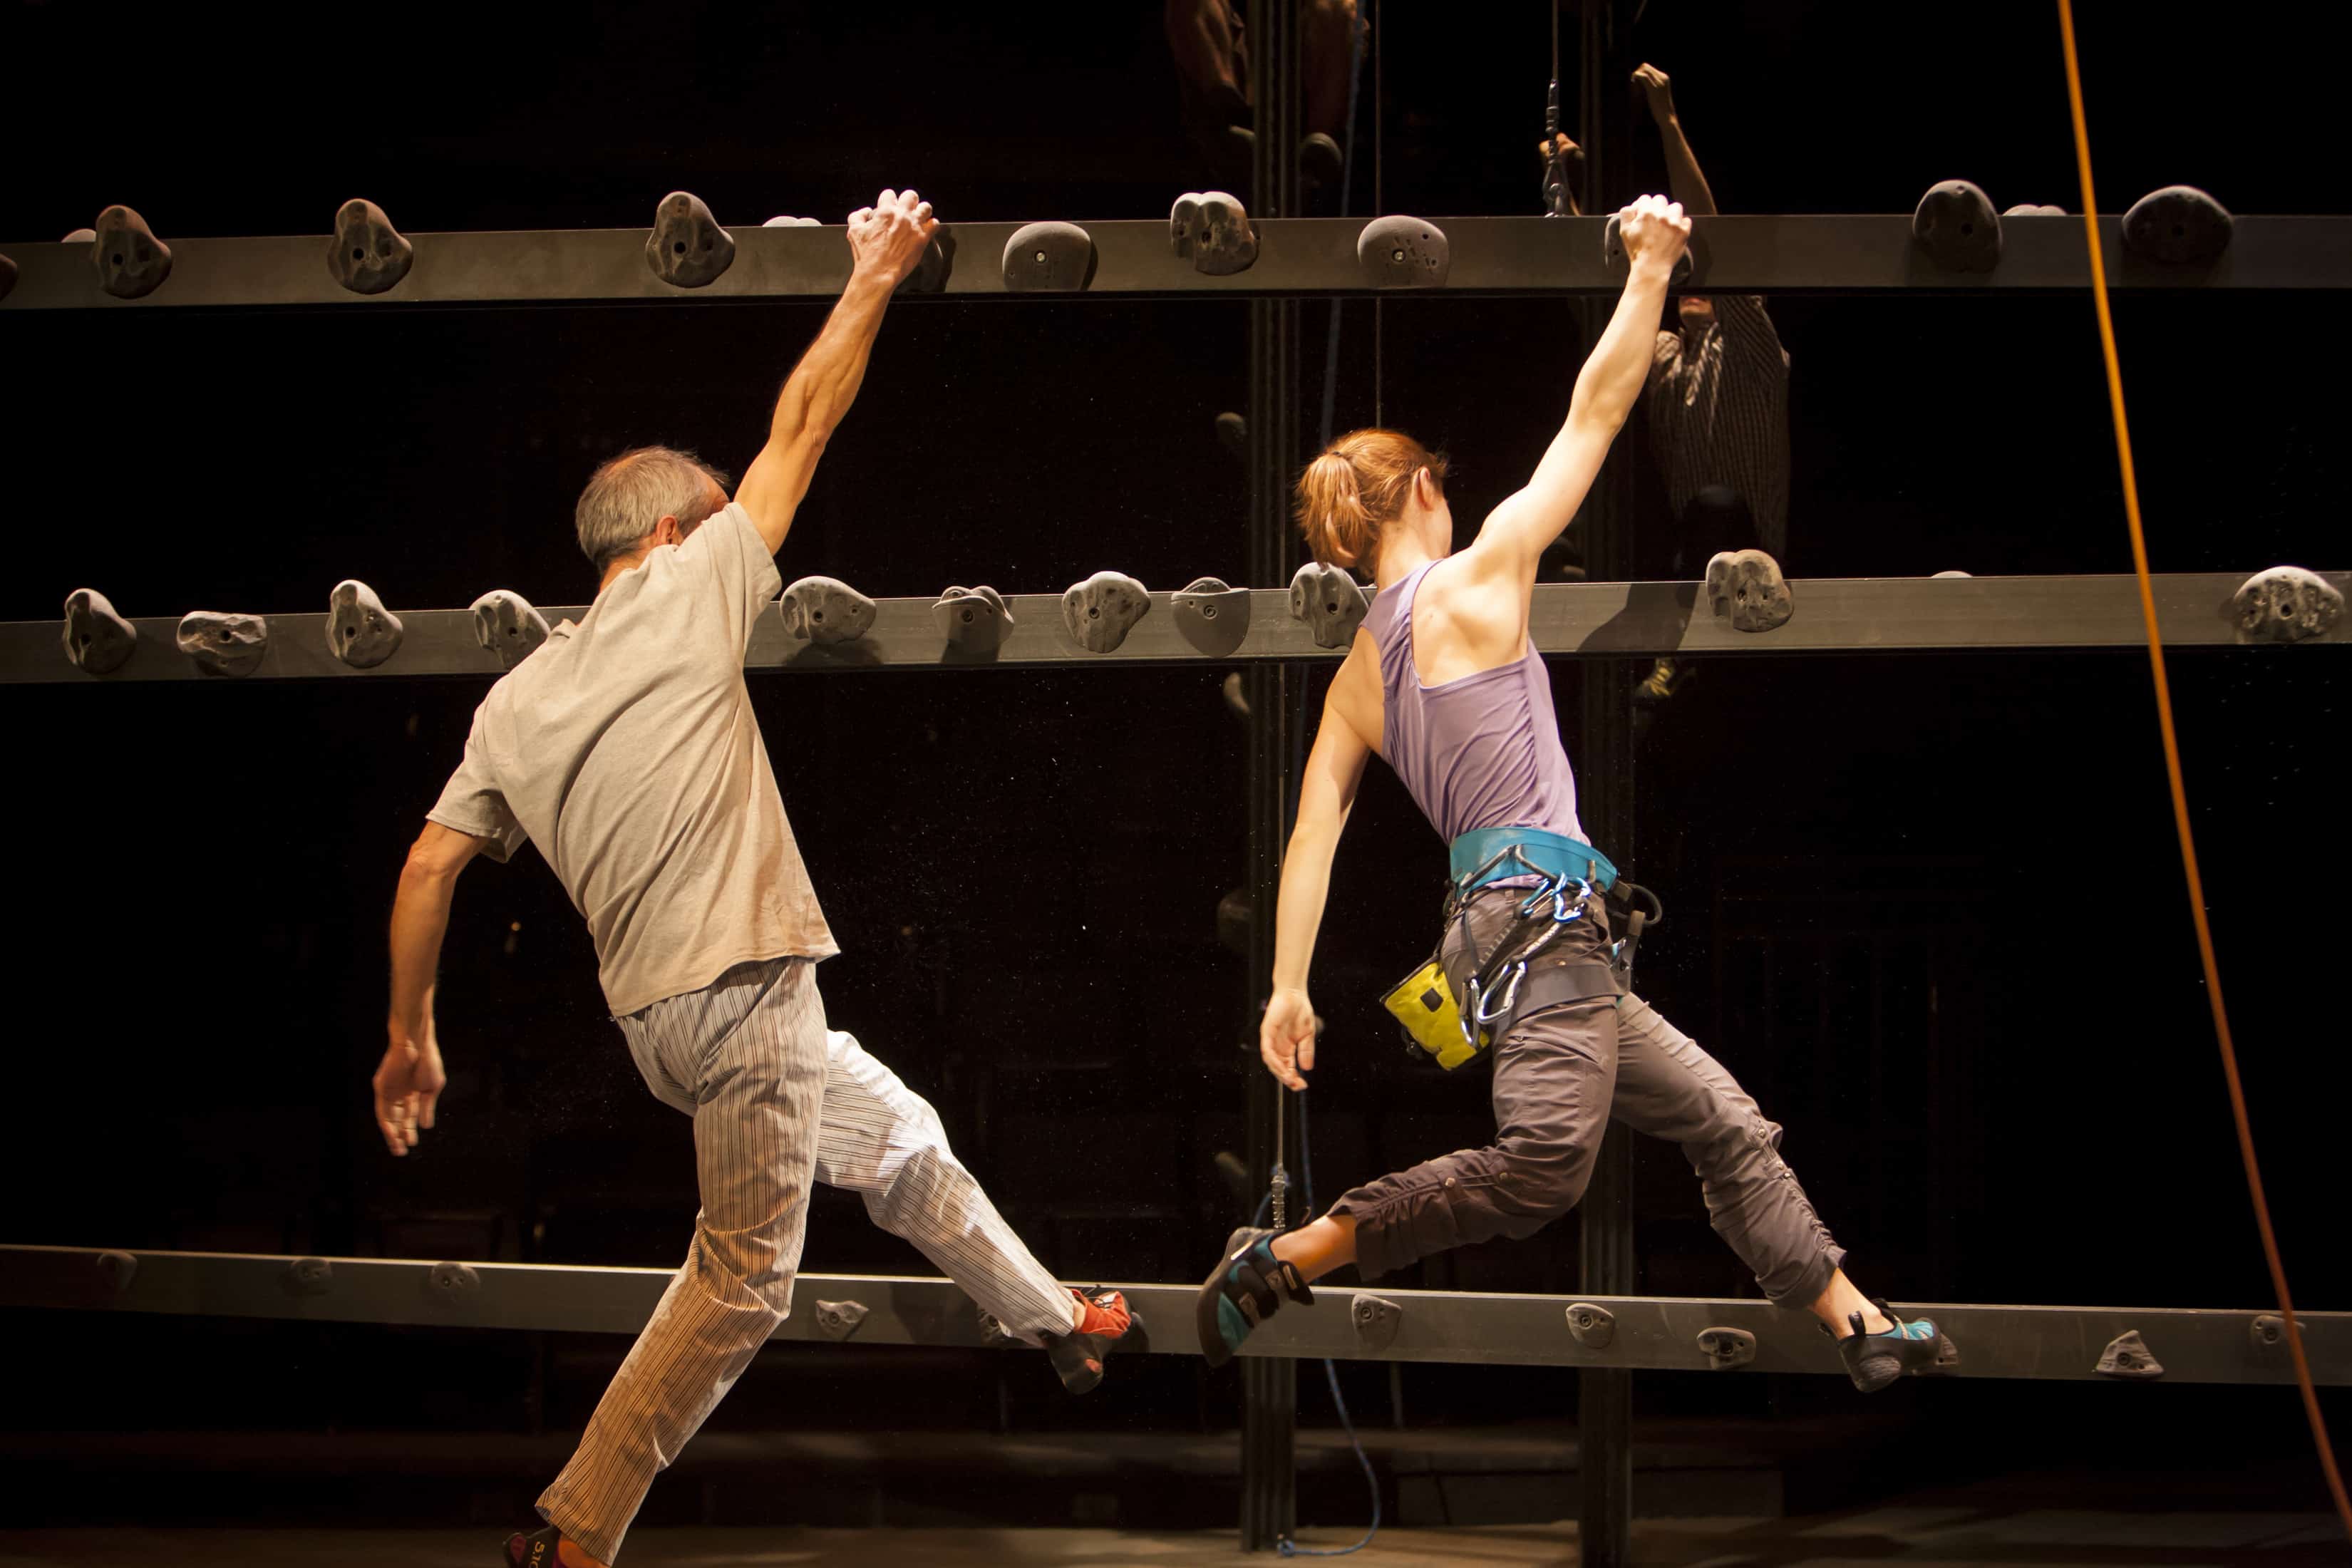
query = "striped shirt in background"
x=1719 y=414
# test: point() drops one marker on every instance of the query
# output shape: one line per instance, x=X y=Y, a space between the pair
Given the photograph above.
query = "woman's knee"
x=1539 y=1182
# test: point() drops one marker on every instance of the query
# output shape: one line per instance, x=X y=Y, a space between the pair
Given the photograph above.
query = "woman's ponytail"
x=1355 y=489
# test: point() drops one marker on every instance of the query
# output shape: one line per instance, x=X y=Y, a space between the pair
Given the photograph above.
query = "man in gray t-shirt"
x=625 y=749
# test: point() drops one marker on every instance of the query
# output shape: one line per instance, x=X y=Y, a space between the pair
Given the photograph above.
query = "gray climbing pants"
x=1561 y=1074
x=777 y=1101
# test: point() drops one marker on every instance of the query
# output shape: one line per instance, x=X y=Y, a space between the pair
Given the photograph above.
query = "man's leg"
x=881 y=1139
x=749 y=1049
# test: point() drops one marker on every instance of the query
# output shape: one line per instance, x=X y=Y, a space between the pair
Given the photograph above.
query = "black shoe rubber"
x=1081 y=1359
x=536 y=1550
x=1875 y=1360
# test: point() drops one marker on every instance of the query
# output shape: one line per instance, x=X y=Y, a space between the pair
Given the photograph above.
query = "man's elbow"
x=435 y=858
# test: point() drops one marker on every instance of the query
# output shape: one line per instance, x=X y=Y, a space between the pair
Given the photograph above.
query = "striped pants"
x=777 y=1101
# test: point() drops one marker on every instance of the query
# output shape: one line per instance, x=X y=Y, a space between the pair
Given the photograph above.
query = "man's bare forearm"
x=420 y=917
x=1683 y=178
x=817 y=395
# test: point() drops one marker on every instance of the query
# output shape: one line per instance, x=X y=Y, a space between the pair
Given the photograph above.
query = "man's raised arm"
x=886 y=243
x=1683 y=178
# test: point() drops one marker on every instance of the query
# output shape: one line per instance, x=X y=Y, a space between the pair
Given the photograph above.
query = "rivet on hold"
x=1329 y=601
x=1100 y=612
x=359 y=631
x=366 y=255
x=1745 y=588
x=1213 y=229
x=839 y=1320
x=2285 y=603
x=131 y=262
x=826 y=610
x=2268 y=1331
x=1376 y=1319
x=687 y=248
x=1401 y=252
x=116 y=1270
x=453 y=1284
x=308 y=1277
x=2127 y=1356
x=1594 y=1327
x=1956 y=226
x=974 y=620
x=96 y=639
x=1212 y=616
x=506 y=624
x=1727 y=1348
x=1048 y=259
x=222 y=642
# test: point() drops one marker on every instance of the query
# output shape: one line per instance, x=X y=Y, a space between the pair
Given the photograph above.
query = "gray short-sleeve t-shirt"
x=625 y=748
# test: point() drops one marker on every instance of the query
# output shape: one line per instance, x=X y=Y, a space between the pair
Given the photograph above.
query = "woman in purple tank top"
x=1444 y=686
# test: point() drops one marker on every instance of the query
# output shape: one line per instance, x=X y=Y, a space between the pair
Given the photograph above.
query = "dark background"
x=1929 y=909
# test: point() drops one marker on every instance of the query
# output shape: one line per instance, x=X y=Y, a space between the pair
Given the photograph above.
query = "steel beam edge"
x=1298 y=258
x=2193 y=1345
x=1835 y=615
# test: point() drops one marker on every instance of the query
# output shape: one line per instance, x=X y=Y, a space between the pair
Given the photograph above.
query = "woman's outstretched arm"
x=1326 y=793
x=1655 y=233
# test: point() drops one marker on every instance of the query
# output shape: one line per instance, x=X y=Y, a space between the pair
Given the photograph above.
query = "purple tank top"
x=1480 y=751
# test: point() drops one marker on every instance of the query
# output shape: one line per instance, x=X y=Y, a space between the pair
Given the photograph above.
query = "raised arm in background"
x=886 y=243
x=1683 y=177
x=1502 y=560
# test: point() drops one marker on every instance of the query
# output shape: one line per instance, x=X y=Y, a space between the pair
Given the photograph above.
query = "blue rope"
x=1285 y=1546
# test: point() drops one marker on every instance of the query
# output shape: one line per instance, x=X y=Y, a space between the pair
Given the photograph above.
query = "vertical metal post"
x=1270 y=1384
x=1605 y=804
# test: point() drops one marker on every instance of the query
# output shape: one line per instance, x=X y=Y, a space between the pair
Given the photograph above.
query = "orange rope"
x=2179 y=789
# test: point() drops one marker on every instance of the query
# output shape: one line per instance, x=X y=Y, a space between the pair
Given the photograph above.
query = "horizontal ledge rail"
x=1825 y=254
x=1659 y=1332
x=1833 y=614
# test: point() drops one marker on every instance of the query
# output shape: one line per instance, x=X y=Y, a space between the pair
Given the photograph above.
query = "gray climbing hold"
x=453 y=1285
x=1594 y=1327
x=308 y=1277
x=1953 y=574
x=359 y=631
x=1100 y=611
x=1212 y=616
x=1233 y=434
x=1955 y=224
x=1403 y=252
x=2029 y=209
x=222 y=642
x=2127 y=1356
x=1727 y=1348
x=506 y=624
x=1048 y=259
x=1329 y=601
x=930 y=274
x=826 y=610
x=7 y=274
x=1614 y=261
x=116 y=1270
x=1747 y=586
x=2285 y=603
x=367 y=255
x=80 y=236
x=1376 y=1319
x=793 y=223
x=976 y=620
x=2180 y=226
x=687 y=246
x=839 y=1320
x=1212 y=230
x=96 y=639
x=2268 y=1331
x=131 y=260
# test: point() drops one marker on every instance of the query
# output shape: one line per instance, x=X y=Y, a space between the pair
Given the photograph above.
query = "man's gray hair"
x=629 y=495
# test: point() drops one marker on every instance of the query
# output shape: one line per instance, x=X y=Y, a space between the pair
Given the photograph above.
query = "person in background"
x=1718 y=398
x=1214 y=77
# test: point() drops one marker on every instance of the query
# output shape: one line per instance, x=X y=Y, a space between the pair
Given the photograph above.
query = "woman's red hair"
x=1356 y=489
